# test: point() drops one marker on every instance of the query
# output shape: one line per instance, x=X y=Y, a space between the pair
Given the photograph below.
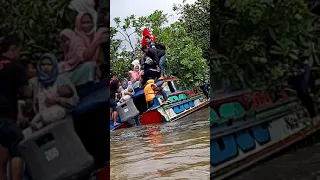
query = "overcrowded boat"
x=181 y=103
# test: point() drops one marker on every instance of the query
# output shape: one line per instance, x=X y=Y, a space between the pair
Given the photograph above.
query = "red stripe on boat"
x=151 y=117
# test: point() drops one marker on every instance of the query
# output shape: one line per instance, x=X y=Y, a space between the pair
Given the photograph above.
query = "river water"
x=177 y=150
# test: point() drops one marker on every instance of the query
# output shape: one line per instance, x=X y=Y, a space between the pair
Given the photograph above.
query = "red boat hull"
x=151 y=117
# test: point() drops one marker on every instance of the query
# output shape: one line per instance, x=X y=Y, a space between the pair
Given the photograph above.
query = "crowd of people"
x=49 y=89
x=145 y=72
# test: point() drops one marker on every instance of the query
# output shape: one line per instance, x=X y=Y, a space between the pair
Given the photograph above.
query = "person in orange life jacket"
x=13 y=81
x=162 y=58
x=150 y=92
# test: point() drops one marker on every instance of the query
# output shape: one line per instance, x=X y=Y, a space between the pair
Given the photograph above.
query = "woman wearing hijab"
x=82 y=52
x=45 y=88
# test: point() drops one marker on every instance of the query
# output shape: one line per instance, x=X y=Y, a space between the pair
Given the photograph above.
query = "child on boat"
x=53 y=113
x=126 y=94
x=150 y=92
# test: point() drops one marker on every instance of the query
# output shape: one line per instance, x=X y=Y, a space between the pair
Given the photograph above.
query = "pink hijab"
x=71 y=60
x=80 y=41
x=85 y=39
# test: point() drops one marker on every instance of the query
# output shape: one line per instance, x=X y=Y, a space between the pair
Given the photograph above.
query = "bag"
x=149 y=61
x=160 y=46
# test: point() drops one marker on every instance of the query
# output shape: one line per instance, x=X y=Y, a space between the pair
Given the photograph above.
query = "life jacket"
x=148 y=91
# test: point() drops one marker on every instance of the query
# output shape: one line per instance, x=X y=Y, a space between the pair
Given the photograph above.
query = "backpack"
x=160 y=46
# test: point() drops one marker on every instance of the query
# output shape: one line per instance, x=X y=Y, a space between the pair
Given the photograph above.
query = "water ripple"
x=172 y=151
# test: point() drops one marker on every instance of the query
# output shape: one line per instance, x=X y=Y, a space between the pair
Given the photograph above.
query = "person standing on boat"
x=13 y=80
x=114 y=88
x=163 y=58
x=151 y=68
x=151 y=90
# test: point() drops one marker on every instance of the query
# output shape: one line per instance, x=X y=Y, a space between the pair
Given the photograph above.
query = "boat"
x=247 y=126
x=182 y=103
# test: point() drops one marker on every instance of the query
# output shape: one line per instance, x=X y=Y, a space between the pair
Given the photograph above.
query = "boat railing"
x=249 y=120
x=180 y=102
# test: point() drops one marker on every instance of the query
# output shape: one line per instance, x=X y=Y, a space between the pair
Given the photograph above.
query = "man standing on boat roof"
x=162 y=48
x=149 y=67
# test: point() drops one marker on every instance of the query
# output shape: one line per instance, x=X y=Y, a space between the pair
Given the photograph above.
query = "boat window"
x=170 y=84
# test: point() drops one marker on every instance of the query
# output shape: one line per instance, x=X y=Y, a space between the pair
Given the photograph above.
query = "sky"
x=124 y=8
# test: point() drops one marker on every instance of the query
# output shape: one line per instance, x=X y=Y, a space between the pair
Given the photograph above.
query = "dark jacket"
x=155 y=54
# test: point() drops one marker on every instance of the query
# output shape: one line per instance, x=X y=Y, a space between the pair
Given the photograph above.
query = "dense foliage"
x=37 y=23
x=263 y=40
x=184 y=48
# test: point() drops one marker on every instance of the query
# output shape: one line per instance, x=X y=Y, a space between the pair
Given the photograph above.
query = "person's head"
x=85 y=23
x=117 y=82
x=144 y=49
x=10 y=46
x=136 y=68
x=113 y=76
x=65 y=91
x=148 y=40
x=124 y=83
x=65 y=38
x=30 y=68
x=47 y=68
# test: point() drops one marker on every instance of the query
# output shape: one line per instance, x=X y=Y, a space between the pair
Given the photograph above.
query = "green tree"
x=263 y=40
x=38 y=23
x=184 y=56
x=196 y=20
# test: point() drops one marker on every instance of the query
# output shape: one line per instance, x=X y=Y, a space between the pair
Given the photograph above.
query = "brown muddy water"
x=172 y=151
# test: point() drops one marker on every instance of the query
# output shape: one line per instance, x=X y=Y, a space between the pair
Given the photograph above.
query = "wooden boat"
x=248 y=126
x=182 y=103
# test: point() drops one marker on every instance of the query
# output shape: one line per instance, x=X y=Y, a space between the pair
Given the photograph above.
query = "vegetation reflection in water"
x=177 y=150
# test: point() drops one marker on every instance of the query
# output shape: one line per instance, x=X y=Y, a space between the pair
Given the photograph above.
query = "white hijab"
x=84 y=6
x=136 y=63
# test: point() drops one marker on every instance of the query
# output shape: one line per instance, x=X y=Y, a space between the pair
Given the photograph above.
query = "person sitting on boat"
x=151 y=90
x=155 y=55
x=82 y=54
x=114 y=88
x=45 y=85
x=162 y=59
x=135 y=77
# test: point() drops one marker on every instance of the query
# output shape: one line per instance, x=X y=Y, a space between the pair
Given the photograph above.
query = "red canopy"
x=146 y=32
